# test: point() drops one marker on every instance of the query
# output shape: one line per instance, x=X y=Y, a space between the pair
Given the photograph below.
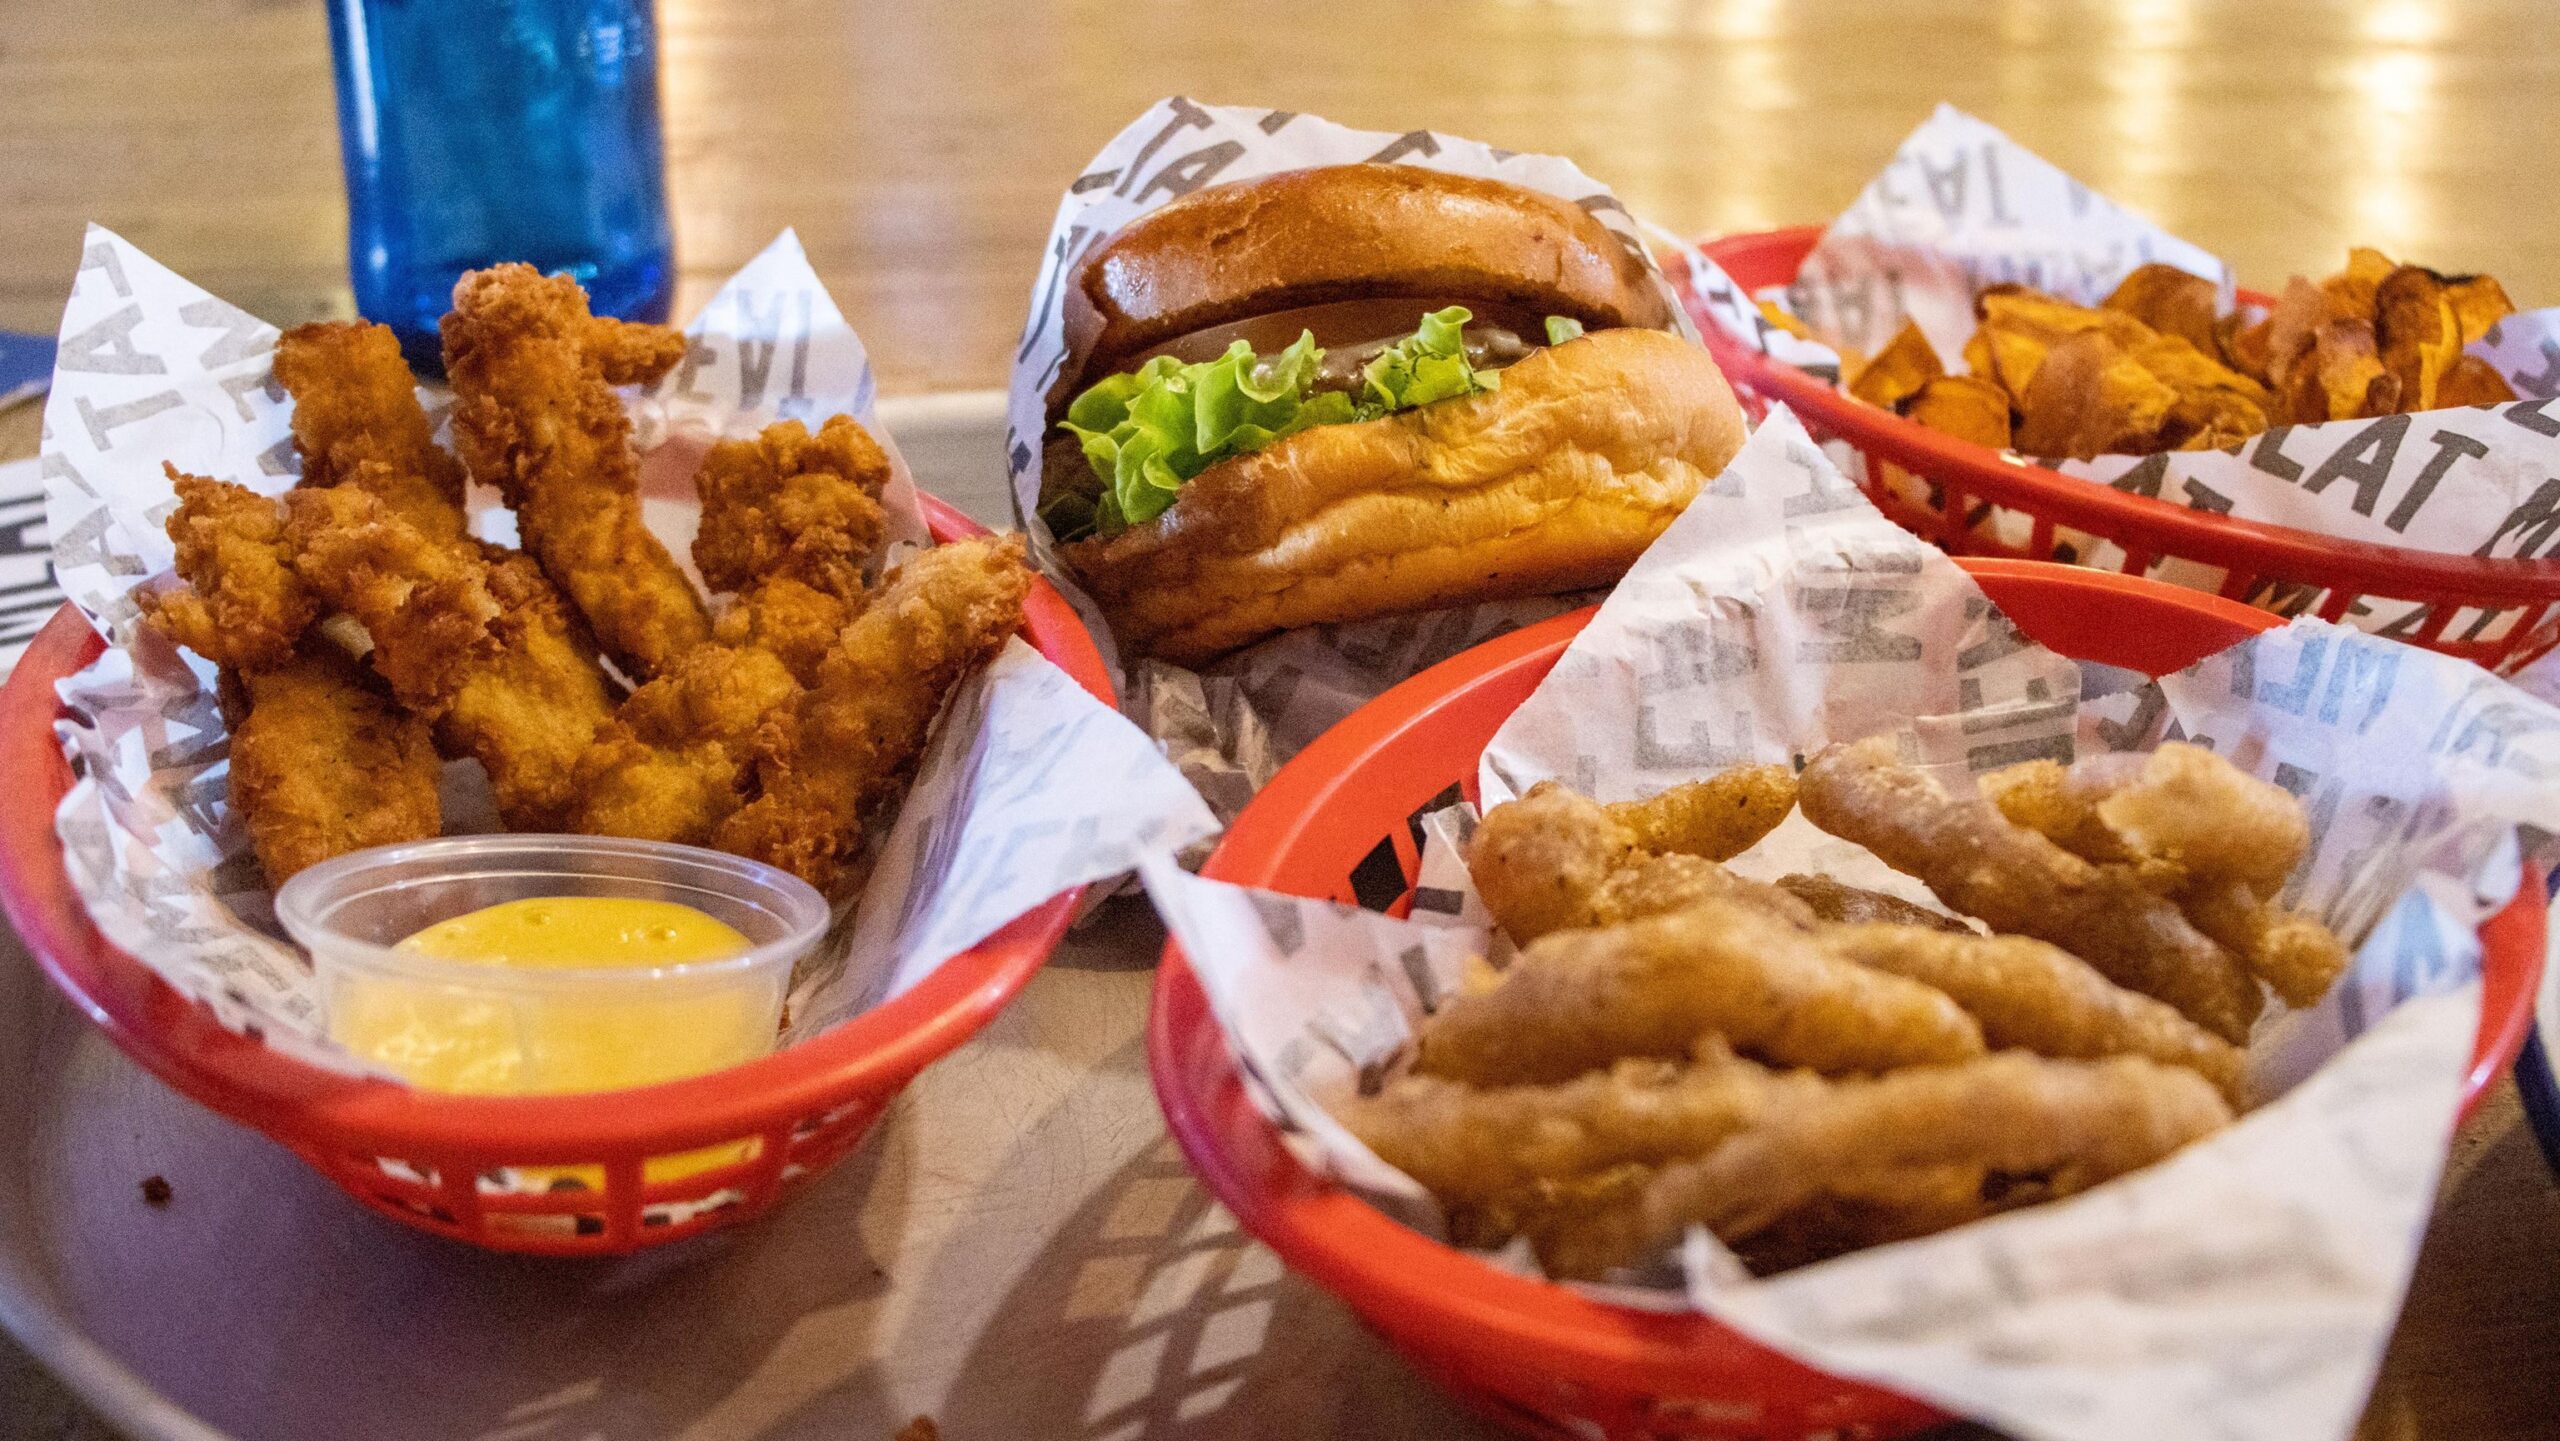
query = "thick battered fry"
x=322 y=763
x=1576 y=1001
x=1468 y=1144
x=2074 y=1124
x=855 y=735
x=2018 y=881
x=1832 y=900
x=2218 y=841
x=2032 y=996
x=535 y=416
x=1554 y=860
x=356 y=420
x=1717 y=818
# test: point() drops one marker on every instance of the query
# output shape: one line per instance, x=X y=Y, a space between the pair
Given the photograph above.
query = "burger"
x=1358 y=390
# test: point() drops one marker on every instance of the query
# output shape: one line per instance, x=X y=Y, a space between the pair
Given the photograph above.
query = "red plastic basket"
x=1534 y=1356
x=769 y=1126
x=2504 y=606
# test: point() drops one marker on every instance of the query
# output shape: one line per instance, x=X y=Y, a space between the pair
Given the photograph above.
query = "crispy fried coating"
x=788 y=519
x=481 y=646
x=1717 y=818
x=323 y=763
x=855 y=735
x=356 y=420
x=1470 y=1144
x=2215 y=820
x=2290 y=951
x=536 y=417
x=793 y=505
x=2032 y=996
x=1576 y=1001
x=2071 y=1124
x=243 y=604
x=1832 y=900
x=1555 y=860
x=2016 y=880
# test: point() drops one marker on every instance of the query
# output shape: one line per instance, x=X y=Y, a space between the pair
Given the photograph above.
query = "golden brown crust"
x=1345 y=232
x=1557 y=481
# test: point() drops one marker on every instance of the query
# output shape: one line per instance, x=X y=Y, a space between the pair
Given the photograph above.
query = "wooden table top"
x=919 y=149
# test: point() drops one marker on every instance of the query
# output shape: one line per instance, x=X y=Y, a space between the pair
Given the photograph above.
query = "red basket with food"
x=1524 y=1352
x=2506 y=604
x=626 y=1169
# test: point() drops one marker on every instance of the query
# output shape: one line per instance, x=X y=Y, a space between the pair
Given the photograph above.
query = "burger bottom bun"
x=1557 y=481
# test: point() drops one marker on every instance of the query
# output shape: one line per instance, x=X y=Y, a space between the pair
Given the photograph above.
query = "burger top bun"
x=1344 y=232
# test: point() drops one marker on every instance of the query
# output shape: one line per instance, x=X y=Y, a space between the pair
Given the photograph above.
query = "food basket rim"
x=304 y=1104
x=2160 y=527
x=1349 y=1246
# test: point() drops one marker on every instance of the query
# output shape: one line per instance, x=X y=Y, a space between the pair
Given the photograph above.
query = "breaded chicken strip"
x=854 y=737
x=356 y=419
x=243 y=605
x=323 y=763
x=1555 y=860
x=788 y=520
x=483 y=648
x=535 y=416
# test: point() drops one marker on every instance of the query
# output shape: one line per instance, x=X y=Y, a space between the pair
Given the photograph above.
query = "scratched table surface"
x=1020 y=1230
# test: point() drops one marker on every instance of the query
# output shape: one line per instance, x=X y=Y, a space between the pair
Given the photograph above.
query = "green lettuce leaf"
x=1428 y=365
x=1561 y=328
x=1147 y=432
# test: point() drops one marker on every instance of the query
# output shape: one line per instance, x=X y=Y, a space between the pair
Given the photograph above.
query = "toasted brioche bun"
x=1556 y=481
x=1343 y=232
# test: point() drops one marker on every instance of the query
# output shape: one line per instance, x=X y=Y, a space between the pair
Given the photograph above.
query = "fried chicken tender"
x=323 y=763
x=1469 y=1144
x=536 y=417
x=243 y=605
x=1833 y=900
x=843 y=749
x=356 y=420
x=788 y=520
x=2073 y=1124
x=481 y=647
x=1717 y=818
x=2217 y=840
x=1554 y=860
x=1576 y=1001
x=2032 y=996
x=2016 y=880
x=792 y=504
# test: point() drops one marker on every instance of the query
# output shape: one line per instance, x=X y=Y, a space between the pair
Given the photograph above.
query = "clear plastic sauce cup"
x=490 y=1029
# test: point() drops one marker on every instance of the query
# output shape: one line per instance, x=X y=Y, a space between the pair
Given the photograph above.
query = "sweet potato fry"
x=2417 y=332
x=2473 y=381
x=1964 y=406
x=2349 y=293
x=2479 y=302
x=1898 y=370
x=2353 y=382
x=2170 y=301
x=2090 y=397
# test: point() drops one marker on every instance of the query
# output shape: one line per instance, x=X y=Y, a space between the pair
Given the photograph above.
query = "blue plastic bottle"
x=476 y=131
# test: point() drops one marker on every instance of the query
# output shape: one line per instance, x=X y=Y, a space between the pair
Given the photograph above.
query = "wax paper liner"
x=2252 y=1278
x=1294 y=686
x=1030 y=785
x=1961 y=206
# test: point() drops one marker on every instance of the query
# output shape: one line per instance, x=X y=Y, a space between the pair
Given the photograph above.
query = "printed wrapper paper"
x=1294 y=686
x=1961 y=206
x=1030 y=785
x=2253 y=1277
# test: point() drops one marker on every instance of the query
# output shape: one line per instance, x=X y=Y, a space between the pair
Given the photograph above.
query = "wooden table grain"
x=918 y=149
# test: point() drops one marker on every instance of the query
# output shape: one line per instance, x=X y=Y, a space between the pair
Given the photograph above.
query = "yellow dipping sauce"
x=578 y=1033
